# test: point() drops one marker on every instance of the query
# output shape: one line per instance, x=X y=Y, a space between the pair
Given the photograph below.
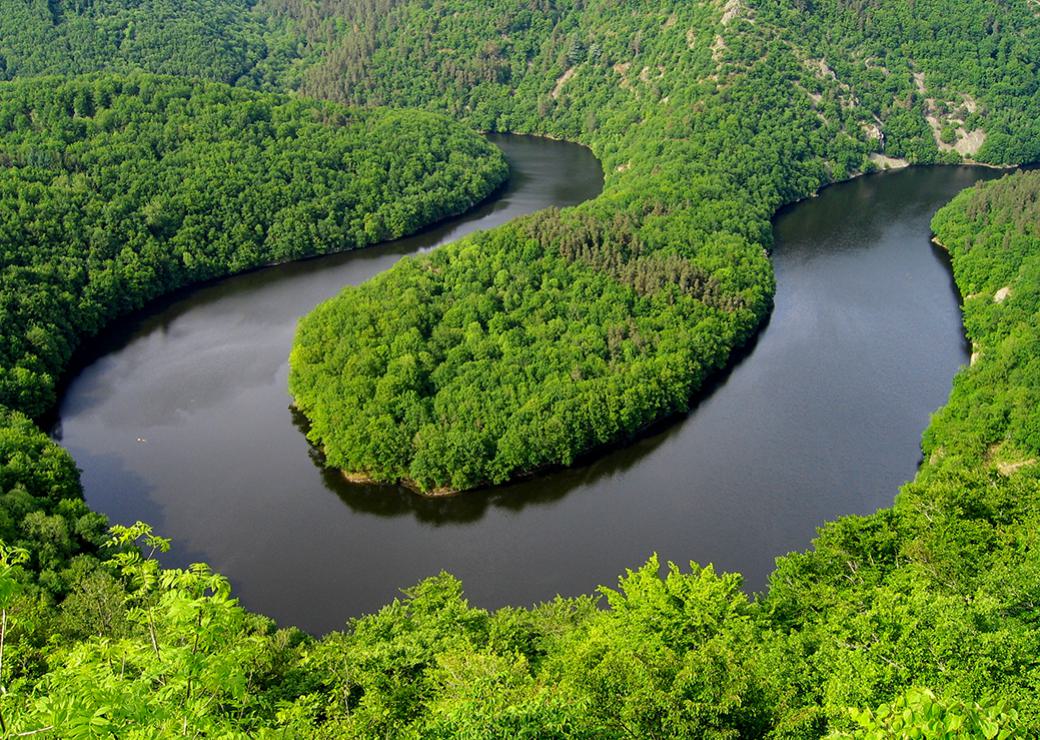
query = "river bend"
x=179 y=416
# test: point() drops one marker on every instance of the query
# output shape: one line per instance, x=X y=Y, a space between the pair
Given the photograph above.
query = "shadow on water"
x=943 y=258
x=546 y=487
x=124 y=490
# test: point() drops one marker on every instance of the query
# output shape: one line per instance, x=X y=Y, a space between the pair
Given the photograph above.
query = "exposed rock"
x=1009 y=468
x=968 y=144
x=718 y=48
x=730 y=11
x=622 y=69
x=821 y=68
x=885 y=162
x=919 y=82
x=561 y=81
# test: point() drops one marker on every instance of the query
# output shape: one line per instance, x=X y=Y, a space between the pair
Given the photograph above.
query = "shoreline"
x=360 y=478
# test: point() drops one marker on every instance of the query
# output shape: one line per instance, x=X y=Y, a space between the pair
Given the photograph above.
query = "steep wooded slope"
x=562 y=333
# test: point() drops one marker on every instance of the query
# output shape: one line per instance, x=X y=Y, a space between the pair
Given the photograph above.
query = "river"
x=179 y=416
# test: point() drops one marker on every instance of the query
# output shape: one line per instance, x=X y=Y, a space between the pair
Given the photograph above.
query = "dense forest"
x=560 y=334
x=222 y=40
x=116 y=190
x=557 y=333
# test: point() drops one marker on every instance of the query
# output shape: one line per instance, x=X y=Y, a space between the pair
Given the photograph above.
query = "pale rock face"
x=872 y=130
x=919 y=82
x=884 y=162
x=730 y=11
x=969 y=144
x=561 y=82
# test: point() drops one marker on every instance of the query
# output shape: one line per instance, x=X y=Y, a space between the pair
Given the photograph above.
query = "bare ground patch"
x=885 y=162
x=561 y=81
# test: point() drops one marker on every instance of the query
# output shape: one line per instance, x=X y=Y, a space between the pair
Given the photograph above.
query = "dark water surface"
x=183 y=421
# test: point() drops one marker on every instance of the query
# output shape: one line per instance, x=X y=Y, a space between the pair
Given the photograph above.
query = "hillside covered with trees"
x=222 y=40
x=927 y=81
x=564 y=333
x=573 y=327
x=116 y=190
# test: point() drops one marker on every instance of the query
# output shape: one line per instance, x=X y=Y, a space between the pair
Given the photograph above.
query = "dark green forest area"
x=524 y=347
x=116 y=190
x=562 y=333
x=221 y=40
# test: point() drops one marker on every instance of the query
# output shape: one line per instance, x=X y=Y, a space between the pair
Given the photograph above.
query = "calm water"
x=182 y=419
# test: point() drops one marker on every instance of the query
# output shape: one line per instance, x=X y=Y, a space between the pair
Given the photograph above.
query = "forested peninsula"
x=708 y=117
x=566 y=332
